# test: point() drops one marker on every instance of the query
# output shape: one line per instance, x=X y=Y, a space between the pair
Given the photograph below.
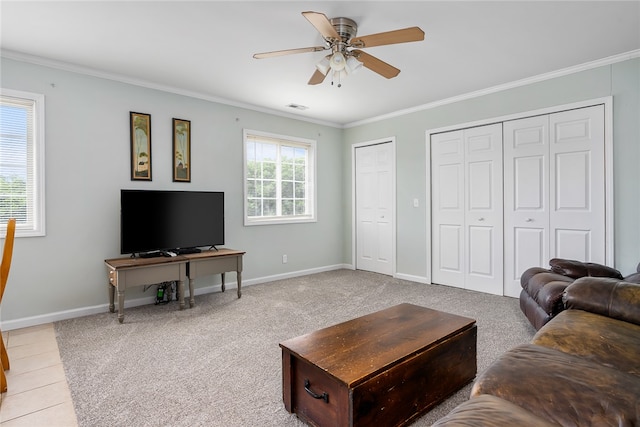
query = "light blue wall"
x=625 y=88
x=620 y=80
x=87 y=163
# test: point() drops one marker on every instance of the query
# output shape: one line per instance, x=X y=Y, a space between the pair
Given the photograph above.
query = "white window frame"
x=35 y=225
x=310 y=191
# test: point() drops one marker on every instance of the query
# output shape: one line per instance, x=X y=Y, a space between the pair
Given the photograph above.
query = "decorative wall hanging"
x=181 y=150
x=140 y=146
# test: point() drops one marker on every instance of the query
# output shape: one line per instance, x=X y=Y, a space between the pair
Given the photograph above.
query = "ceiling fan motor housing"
x=345 y=27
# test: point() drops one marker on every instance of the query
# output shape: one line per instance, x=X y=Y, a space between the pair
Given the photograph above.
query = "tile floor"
x=37 y=392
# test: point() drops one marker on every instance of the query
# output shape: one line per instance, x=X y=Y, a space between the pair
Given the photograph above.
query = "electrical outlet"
x=284 y=259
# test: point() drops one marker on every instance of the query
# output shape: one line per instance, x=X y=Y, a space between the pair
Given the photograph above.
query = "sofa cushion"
x=576 y=269
x=541 y=280
x=529 y=273
x=597 y=338
x=608 y=297
x=562 y=388
x=490 y=411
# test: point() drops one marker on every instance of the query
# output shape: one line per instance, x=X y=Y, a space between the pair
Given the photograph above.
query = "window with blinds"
x=21 y=162
x=279 y=179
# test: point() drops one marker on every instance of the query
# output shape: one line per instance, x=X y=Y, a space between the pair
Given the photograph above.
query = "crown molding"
x=499 y=88
x=32 y=59
x=65 y=66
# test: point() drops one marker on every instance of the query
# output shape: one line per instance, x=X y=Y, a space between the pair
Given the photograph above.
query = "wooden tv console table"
x=129 y=272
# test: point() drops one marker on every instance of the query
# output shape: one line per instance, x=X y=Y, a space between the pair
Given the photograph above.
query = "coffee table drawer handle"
x=323 y=396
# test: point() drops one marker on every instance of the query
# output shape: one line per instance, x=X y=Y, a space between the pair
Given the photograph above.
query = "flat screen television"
x=153 y=221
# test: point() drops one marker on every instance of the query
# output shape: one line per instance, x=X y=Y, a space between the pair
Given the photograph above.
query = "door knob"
x=529 y=220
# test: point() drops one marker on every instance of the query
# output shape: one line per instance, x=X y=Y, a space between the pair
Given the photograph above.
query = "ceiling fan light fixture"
x=352 y=65
x=323 y=66
x=338 y=61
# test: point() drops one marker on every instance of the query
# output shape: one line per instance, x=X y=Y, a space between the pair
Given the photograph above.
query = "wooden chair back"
x=7 y=252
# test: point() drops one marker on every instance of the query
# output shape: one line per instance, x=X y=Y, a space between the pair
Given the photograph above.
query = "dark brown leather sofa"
x=542 y=288
x=581 y=369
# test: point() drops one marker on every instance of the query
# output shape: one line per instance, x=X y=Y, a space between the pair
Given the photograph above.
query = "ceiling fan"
x=346 y=55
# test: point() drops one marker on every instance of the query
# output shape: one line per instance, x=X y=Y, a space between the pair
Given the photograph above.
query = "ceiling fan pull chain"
x=333 y=76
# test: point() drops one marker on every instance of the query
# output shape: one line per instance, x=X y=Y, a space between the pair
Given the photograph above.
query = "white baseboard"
x=411 y=278
x=295 y=274
x=26 y=322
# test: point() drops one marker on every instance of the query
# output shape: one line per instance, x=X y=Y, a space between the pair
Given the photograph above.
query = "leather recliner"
x=542 y=289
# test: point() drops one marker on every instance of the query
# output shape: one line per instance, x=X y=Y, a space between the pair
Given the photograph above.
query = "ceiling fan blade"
x=376 y=65
x=322 y=24
x=412 y=34
x=317 y=78
x=288 y=52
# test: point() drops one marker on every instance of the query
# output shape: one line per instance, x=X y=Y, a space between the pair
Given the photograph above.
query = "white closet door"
x=467 y=208
x=526 y=198
x=374 y=208
x=504 y=203
x=577 y=193
x=448 y=210
x=484 y=209
x=554 y=191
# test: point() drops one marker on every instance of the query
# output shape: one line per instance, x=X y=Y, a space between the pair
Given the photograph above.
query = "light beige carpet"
x=219 y=363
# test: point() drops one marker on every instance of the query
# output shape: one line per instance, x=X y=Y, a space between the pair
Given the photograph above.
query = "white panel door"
x=448 y=210
x=484 y=211
x=554 y=191
x=374 y=208
x=577 y=192
x=526 y=198
x=467 y=230
x=502 y=203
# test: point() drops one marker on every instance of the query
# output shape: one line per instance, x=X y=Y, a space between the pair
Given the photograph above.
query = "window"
x=279 y=179
x=22 y=162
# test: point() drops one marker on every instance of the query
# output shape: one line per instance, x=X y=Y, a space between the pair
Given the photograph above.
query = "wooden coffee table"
x=385 y=368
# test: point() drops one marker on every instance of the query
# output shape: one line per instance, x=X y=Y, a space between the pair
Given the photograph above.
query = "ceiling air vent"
x=298 y=107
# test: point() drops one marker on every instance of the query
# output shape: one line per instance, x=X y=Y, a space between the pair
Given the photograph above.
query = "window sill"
x=278 y=220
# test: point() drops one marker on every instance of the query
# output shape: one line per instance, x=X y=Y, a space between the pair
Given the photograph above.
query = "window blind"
x=17 y=162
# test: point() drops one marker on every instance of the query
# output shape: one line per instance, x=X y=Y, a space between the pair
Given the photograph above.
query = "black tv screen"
x=154 y=220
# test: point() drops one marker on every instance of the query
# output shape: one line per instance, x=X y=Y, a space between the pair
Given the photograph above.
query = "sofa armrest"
x=608 y=297
x=529 y=273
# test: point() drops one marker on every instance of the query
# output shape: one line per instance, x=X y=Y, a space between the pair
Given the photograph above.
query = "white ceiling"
x=205 y=48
